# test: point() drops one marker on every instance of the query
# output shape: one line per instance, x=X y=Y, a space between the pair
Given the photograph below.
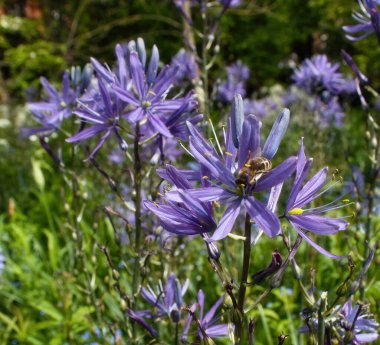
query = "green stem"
x=244 y=277
x=137 y=187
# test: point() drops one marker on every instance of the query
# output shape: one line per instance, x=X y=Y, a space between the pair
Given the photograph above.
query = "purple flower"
x=329 y=113
x=189 y=216
x=206 y=322
x=104 y=118
x=237 y=75
x=187 y=67
x=168 y=302
x=230 y=3
x=56 y=108
x=147 y=100
x=303 y=219
x=318 y=74
x=234 y=183
x=368 y=19
x=260 y=108
x=349 y=325
x=358 y=321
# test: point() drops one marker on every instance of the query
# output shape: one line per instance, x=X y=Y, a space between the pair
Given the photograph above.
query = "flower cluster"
x=238 y=177
x=168 y=303
x=346 y=324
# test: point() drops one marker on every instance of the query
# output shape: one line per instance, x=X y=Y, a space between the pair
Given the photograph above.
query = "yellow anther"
x=205 y=177
x=155 y=204
x=63 y=104
x=152 y=92
x=346 y=201
x=208 y=154
x=295 y=211
x=228 y=153
x=159 y=194
x=216 y=204
x=247 y=165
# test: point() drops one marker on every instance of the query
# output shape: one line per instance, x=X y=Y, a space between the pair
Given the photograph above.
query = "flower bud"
x=175 y=315
x=227 y=301
x=237 y=119
x=213 y=251
x=153 y=66
x=141 y=51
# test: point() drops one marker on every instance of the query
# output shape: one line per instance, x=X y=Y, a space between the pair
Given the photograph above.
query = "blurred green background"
x=54 y=291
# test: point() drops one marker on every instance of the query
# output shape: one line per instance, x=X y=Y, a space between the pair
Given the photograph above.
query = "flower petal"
x=276 y=134
x=265 y=219
x=227 y=222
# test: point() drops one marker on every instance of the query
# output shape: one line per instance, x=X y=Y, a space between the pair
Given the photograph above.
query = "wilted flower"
x=310 y=219
x=368 y=19
x=207 y=327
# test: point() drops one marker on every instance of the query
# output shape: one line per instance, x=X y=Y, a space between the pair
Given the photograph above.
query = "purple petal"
x=100 y=143
x=103 y=72
x=50 y=89
x=366 y=337
x=237 y=119
x=227 y=221
x=176 y=177
x=169 y=291
x=153 y=66
x=158 y=125
x=310 y=188
x=123 y=72
x=137 y=73
x=125 y=95
x=318 y=224
x=134 y=316
x=87 y=133
x=250 y=140
x=276 y=175
x=134 y=115
x=276 y=134
x=217 y=331
x=316 y=246
x=201 y=302
x=265 y=219
x=210 y=314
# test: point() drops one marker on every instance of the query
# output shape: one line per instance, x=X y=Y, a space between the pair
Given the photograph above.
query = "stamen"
x=236 y=237
x=205 y=177
x=228 y=153
x=216 y=137
x=183 y=146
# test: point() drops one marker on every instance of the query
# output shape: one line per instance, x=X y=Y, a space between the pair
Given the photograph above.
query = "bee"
x=251 y=172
